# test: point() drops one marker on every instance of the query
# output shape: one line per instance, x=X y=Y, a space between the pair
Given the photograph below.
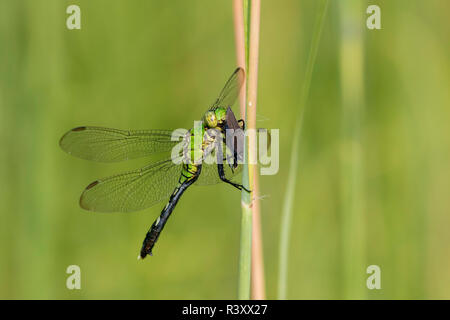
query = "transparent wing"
x=230 y=92
x=134 y=190
x=110 y=145
x=209 y=174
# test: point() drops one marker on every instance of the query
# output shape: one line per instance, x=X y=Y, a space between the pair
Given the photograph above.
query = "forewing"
x=231 y=90
x=111 y=145
x=134 y=190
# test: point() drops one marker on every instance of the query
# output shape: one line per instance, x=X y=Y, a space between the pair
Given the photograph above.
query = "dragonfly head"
x=215 y=118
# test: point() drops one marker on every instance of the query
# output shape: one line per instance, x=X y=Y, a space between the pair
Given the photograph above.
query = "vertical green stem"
x=245 y=254
x=286 y=217
x=251 y=36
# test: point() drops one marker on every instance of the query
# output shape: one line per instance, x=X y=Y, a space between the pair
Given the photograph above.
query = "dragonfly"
x=167 y=179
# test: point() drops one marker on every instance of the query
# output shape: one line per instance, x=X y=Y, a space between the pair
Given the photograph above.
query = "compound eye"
x=221 y=114
x=210 y=119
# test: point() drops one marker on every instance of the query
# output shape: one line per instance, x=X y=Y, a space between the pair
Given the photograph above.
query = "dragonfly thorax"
x=200 y=141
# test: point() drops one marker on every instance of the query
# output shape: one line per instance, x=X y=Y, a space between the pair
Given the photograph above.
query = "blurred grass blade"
x=286 y=217
x=351 y=180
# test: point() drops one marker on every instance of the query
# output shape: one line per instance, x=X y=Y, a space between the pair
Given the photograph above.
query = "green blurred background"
x=154 y=64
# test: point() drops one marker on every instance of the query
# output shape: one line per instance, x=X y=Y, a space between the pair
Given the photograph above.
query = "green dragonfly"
x=167 y=179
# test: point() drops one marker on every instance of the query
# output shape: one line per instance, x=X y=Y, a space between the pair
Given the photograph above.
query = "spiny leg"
x=224 y=179
x=221 y=172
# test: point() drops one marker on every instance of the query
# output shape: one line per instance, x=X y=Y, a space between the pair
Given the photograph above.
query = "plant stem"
x=245 y=253
x=251 y=19
x=241 y=36
x=286 y=217
x=258 y=290
x=258 y=283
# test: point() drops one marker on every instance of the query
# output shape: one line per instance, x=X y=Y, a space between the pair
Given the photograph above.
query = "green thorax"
x=214 y=118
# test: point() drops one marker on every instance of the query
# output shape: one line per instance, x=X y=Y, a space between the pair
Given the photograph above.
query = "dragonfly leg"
x=157 y=226
x=224 y=179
